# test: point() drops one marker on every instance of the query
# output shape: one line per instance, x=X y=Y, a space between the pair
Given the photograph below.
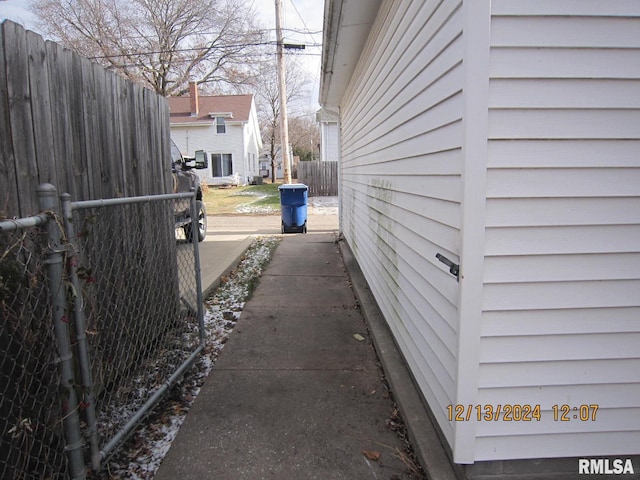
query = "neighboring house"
x=265 y=165
x=225 y=126
x=265 y=162
x=503 y=135
x=329 y=135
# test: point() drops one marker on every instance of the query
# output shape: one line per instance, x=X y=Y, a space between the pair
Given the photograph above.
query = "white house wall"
x=401 y=138
x=330 y=135
x=561 y=299
x=251 y=154
x=252 y=144
x=192 y=138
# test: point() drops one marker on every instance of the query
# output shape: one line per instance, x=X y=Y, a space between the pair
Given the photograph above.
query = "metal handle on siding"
x=454 y=268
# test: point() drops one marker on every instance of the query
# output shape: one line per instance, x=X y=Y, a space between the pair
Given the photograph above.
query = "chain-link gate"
x=93 y=343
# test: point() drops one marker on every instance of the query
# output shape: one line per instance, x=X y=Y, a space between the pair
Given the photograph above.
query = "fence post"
x=81 y=336
x=198 y=273
x=48 y=202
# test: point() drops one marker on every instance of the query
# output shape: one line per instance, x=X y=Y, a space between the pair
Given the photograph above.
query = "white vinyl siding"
x=330 y=142
x=518 y=130
x=252 y=144
x=241 y=140
x=401 y=160
x=561 y=298
x=191 y=138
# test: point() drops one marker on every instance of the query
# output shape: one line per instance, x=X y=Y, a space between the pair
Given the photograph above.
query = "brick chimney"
x=193 y=95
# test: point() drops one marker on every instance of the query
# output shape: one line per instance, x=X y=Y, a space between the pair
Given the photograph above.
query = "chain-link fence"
x=31 y=434
x=89 y=344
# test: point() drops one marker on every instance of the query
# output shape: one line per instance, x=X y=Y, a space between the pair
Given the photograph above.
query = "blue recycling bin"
x=293 y=205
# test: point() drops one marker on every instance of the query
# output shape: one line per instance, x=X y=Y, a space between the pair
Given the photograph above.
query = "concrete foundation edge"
x=422 y=433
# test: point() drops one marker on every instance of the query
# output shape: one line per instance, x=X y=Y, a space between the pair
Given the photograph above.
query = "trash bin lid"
x=293 y=186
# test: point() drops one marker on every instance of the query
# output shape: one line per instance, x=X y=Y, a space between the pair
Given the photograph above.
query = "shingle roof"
x=238 y=105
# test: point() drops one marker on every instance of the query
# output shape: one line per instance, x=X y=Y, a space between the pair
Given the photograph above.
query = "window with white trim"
x=221 y=164
x=221 y=126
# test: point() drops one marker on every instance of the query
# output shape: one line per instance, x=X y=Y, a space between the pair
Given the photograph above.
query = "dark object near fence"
x=186 y=181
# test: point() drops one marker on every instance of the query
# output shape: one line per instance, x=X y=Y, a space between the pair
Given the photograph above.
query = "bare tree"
x=268 y=102
x=160 y=43
x=304 y=135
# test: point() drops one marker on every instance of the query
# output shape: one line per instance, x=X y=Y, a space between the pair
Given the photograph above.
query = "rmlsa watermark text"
x=605 y=466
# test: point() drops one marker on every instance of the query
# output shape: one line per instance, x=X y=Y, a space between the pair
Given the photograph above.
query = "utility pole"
x=282 y=87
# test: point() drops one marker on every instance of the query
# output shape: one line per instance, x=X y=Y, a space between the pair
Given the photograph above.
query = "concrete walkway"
x=228 y=237
x=294 y=394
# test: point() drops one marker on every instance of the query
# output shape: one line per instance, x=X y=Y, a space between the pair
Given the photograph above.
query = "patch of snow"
x=256 y=210
x=249 y=193
x=250 y=208
x=323 y=201
x=315 y=206
x=323 y=205
x=140 y=457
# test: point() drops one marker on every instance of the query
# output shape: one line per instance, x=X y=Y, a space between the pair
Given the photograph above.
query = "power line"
x=256 y=32
x=296 y=53
x=194 y=49
x=303 y=22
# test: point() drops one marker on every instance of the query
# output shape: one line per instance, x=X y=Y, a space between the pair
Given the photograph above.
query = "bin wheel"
x=304 y=227
x=282 y=228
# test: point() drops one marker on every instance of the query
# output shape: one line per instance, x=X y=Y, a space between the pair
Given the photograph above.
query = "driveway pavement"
x=228 y=237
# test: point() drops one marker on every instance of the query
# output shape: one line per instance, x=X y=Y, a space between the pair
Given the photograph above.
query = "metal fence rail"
x=95 y=327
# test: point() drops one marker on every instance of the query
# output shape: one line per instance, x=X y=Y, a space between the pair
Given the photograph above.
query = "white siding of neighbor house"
x=252 y=144
x=401 y=165
x=561 y=296
x=197 y=137
x=330 y=135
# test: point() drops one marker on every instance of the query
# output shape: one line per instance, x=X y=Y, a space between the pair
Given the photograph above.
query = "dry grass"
x=252 y=199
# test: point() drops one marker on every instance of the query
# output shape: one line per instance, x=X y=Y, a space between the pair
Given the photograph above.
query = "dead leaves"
x=372 y=455
x=414 y=470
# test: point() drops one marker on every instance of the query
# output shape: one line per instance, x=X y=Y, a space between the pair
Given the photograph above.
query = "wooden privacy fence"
x=320 y=177
x=67 y=121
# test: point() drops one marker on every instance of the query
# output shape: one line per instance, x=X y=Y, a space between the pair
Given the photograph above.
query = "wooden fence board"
x=21 y=120
x=122 y=97
x=41 y=109
x=60 y=154
x=81 y=177
x=92 y=150
x=320 y=177
x=117 y=134
x=8 y=187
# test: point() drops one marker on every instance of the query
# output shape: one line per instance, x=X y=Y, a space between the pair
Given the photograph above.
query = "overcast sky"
x=15 y=10
x=306 y=15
